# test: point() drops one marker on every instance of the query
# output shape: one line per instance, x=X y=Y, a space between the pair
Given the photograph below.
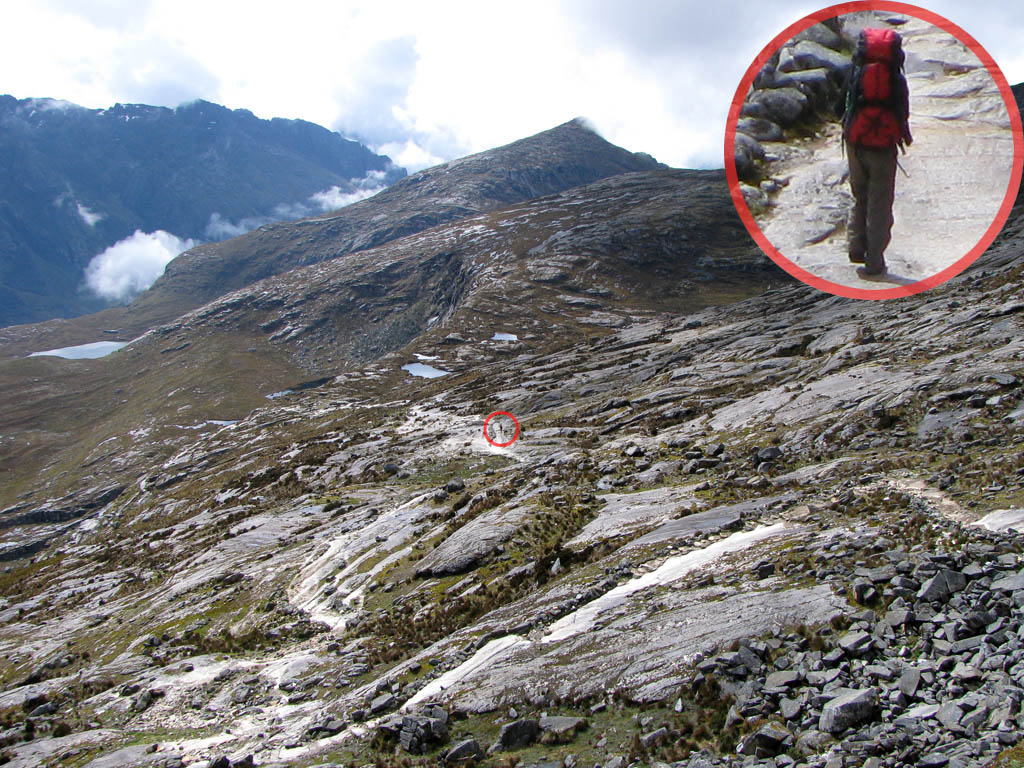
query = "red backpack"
x=876 y=110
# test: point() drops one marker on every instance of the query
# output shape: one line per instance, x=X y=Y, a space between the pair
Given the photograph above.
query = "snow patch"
x=424 y=371
x=671 y=570
x=89 y=351
x=481 y=659
x=88 y=216
x=1003 y=520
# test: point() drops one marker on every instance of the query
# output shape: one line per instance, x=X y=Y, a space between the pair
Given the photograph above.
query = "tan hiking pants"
x=873 y=182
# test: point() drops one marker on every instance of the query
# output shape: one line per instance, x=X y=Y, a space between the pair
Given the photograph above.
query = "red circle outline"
x=488 y=421
x=1001 y=215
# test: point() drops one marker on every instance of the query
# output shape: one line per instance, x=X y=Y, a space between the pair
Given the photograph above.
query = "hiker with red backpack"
x=875 y=123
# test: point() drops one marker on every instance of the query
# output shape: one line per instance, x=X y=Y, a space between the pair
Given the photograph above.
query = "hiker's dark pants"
x=873 y=182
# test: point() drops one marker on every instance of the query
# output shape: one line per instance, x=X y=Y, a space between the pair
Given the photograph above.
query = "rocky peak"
x=552 y=161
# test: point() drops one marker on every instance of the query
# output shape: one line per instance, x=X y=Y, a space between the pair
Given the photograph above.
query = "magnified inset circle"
x=809 y=148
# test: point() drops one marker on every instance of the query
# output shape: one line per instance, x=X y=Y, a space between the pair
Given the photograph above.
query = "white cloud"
x=104 y=13
x=219 y=228
x=130 y=266
x=88 y=216
x=334 y=198
x=152 y=70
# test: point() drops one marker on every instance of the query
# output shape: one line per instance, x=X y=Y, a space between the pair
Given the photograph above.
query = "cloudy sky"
x=430 y=81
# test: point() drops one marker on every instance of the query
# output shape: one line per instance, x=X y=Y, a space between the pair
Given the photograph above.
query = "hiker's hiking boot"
x=868 y=272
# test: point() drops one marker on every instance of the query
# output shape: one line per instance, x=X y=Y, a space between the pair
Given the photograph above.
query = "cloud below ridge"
x=219 y=228
x=130 y=266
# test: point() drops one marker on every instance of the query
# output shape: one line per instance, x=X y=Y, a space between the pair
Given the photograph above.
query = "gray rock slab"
x=855 y=642
x=474 y=541
x=624 y=513
x=782 y=679
x=822 y=35
x=936 y=424
x=811 y=473
x=816 y=83
x=768 y=741
x=835 y=338
x=627 y=652
x=383 y=702
x=821 y=397
x=40 y=751
x=717 y=518
x=910 y=679
x=940 y=586
x=812 y=741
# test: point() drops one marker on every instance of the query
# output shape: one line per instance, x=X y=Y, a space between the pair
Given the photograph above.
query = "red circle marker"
x=902 y=290
x=488 y=437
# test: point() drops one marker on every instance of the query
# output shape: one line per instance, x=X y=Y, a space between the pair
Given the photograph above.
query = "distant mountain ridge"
x=74 y=181
x=561 y=158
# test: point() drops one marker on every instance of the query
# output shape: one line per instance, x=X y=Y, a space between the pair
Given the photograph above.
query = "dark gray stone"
x=910 y=679
x=760 y=129
x=768 y=741
x=782 y=679
x=790 y=709
x=855 y=642
x=520 y=733
x=1012 y=583
x=821 y=35
x=654 y=738
x=463 y=752
x=848 y=709
x=560 y=729
x=812 y=741
x=967 y=644
x=784 y=106
x=807 y=54
x=382 y=703
x=949 y=715
x=941 y=586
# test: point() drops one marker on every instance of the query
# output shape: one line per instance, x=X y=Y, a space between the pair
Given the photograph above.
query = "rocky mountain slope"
x=550 y=162
x=557 y=270
x=74 y=181
x=743 y=521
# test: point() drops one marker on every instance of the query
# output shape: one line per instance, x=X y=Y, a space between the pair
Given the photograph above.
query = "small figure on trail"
x=875 y=123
